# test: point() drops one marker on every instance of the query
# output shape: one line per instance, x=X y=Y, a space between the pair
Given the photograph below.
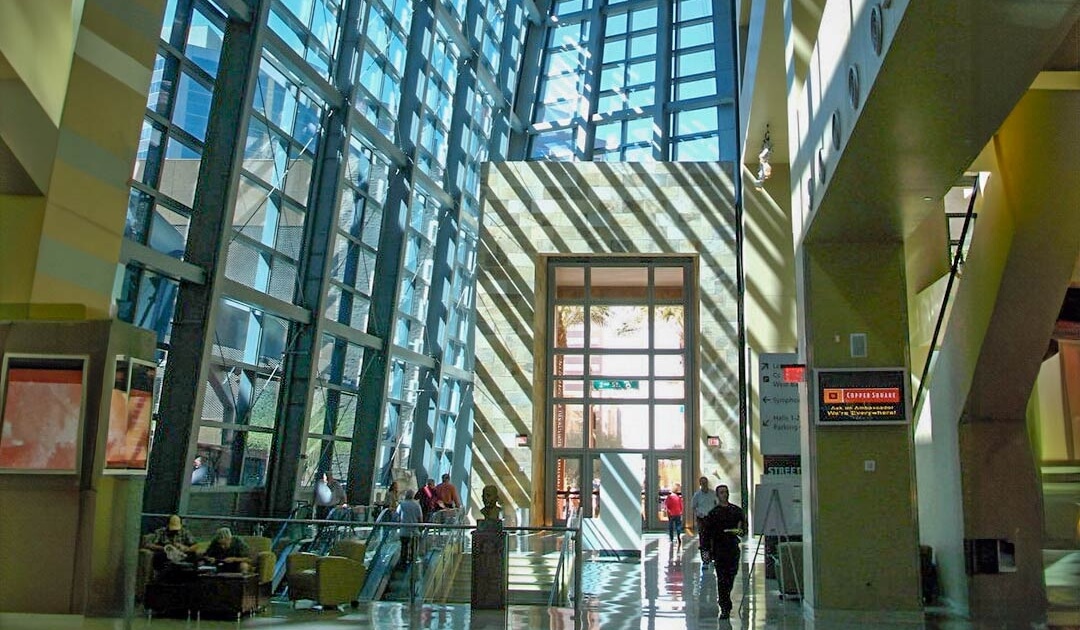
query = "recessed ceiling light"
x=927 y=198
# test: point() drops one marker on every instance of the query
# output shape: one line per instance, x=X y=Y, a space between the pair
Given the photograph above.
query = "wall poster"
x=42 y=399
x=132 y=404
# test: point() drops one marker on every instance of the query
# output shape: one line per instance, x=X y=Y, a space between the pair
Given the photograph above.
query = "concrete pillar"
x=861 y=552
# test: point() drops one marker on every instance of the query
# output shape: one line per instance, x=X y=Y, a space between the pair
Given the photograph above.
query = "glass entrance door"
x=667 y=476
x=568 y=486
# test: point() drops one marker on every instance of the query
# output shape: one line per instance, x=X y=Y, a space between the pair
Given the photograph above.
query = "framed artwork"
x=131 y=406
x=42 y=404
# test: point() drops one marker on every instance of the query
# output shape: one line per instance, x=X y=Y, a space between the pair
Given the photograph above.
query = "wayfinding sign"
x=866 y=396
x=779 y=405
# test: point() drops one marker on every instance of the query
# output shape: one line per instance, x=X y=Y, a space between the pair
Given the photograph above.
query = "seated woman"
x=229 y=552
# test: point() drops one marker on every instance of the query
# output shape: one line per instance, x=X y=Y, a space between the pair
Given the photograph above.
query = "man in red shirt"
x=674 y=508
x=446 y=495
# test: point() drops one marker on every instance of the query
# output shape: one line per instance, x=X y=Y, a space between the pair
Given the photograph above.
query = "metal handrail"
x=445 y=565
x=954 y=271
x=560 y=569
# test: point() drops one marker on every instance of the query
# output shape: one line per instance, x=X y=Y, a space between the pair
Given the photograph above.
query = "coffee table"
x=231 y=595
x=228 y=594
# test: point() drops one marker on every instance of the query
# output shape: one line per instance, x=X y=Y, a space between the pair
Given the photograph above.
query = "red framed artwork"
x=43 y=401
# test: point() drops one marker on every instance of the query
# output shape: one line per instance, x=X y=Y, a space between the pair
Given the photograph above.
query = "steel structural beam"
x=528 y=88
x=372 y=404
x=442 y=275
x=197 y=304
x=664 y=44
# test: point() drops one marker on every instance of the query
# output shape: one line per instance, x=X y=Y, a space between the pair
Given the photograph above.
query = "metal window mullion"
x=388 y=271
x=195 y=71
x=591 y=78
x=159 y=263
x=160 y=198
x=300 y=372
x=665 y=56
x=189 y=141
x=263 y=302
x=528 y=88
x=443 y=269
x=295 y=67
x=197 y=305
x=283 y=202
x=273 y=127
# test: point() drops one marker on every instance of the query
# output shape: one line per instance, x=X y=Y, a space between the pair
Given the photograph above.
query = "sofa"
x=260 y=553
x=329 y=580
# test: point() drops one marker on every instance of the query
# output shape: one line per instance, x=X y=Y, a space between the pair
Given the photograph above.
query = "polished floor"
x=667 y=589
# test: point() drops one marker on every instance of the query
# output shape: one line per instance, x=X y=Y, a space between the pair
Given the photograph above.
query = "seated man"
x=171 y=546
x=229 y=552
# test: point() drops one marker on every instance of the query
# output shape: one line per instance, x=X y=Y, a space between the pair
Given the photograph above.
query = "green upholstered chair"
x=329 y=580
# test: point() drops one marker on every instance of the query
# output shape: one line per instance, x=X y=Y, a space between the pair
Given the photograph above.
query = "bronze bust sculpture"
x=491 y=511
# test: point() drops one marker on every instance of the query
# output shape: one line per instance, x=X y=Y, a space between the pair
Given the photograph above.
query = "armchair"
x=329 y=580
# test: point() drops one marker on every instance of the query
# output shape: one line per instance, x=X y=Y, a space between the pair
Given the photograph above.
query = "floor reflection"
x=666 y=589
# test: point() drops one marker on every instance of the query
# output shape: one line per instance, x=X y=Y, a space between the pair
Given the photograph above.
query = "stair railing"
x=560 y=586
x=954 y=273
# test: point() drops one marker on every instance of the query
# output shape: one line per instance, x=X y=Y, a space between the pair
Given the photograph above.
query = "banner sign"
x=861 y=396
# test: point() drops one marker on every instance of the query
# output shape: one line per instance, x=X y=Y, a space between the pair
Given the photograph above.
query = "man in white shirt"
x=703 y=501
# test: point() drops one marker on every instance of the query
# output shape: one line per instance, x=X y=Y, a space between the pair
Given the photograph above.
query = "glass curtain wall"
x=641 y=80
x=306 y=225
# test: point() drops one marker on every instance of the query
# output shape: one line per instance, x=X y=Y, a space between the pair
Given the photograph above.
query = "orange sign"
x=835 y=395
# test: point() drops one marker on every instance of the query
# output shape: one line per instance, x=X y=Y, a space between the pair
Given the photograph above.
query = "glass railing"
x=543 y=563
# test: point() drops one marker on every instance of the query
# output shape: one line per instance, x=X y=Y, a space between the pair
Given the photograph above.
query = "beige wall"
x=74 y=129
x=533 y=210
x=769 y=269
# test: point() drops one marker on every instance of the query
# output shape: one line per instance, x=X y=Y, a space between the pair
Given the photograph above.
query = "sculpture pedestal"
x=489 y=569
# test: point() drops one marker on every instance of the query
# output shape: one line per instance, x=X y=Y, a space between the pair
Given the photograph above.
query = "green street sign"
x=599 y=384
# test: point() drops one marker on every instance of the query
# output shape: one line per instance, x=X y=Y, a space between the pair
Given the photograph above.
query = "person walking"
x=426 y=496
x=726 y=526
x=446 y=495
x=409 y=513
x=673 y=505
x=703 y=501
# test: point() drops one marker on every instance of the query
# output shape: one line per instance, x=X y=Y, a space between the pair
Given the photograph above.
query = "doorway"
x=620 y=379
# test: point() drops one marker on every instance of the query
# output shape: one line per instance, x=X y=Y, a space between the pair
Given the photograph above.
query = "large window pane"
x=620 y=426
x=568 y=426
